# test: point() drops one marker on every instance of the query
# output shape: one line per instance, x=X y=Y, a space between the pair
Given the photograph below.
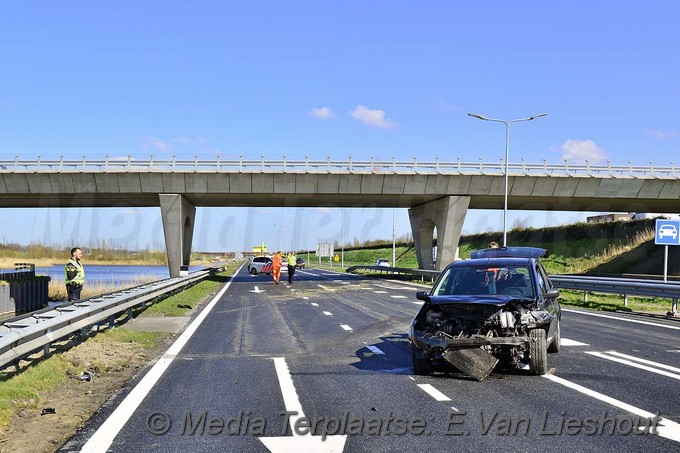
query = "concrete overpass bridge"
x=437 y=194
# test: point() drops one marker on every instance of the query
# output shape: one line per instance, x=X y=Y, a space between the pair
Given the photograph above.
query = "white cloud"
x=581 y=150
x=662 y=135
x=445 y=105
x=372 y=117
x=154 y=143
x=322 y=112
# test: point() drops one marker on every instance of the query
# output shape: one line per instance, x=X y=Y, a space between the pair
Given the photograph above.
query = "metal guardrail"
x=623 y=286
x=371 y=166
x=24 y=335
x=608 y=285
x=422 y=273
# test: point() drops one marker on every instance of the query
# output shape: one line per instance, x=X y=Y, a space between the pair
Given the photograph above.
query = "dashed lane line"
x=325 y=287
x=398 y=297
x=345 y=326
x=328 y=313
x=434 y=393
x=375 y=350
x=568 y=342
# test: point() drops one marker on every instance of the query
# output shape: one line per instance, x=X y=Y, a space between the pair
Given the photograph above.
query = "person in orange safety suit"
x=276 y=266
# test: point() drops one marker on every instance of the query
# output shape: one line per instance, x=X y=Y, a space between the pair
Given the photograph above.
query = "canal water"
x=114 y=275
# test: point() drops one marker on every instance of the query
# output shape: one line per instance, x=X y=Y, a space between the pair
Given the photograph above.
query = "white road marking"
x=393 y=287
x=635 y=365
x=672 y=350
x=666 y=428
x=434 y=393
x=297 y=442
x=648 y=362
x=326 y=288
x=380 y=292
x=417 y=302
x=621 y=319
x=568 y=342
x=328 y=313
x=375 y=350
x=314 y=304
x=306 y=298
x=102 y=439
x=257 y=290
x=398 y=297
x=345 y=326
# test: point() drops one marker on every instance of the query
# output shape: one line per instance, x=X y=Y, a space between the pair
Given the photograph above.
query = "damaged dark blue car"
x=497 y=306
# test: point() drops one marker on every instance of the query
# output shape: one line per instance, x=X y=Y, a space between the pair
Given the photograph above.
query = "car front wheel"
x=421 y=362
x=253 y=271
x=538 y=353
x=557 y=340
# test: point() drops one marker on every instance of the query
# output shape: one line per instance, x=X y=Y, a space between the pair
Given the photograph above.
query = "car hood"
x=498 y=301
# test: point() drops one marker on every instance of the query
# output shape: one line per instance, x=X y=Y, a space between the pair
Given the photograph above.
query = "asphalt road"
x=334 y=348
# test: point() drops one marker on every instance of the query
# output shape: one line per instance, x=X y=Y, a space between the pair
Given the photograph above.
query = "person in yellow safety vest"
x=291 y=266
x=277 y=261
x=75 y=274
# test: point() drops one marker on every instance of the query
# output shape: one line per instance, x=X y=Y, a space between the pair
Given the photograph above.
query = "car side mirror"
x=422 y=295
x=553 y=293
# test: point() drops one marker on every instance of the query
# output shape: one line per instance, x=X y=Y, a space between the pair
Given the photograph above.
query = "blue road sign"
x=667 y=232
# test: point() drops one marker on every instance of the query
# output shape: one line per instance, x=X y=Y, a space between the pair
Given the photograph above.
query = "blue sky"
x=317 y=79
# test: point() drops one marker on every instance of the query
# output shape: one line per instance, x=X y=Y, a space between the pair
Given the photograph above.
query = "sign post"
x=667 y=233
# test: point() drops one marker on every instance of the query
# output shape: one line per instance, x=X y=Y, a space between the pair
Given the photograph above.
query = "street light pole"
x=394 y=241
x=507 y=153
x=342 y=244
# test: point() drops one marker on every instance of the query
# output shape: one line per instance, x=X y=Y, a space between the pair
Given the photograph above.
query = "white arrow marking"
x=257 y=290
x=298 y=442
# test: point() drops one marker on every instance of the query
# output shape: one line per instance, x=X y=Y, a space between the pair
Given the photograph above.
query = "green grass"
x=122 y=335
x=28 y=387
x=182 y=303
x=608 y=302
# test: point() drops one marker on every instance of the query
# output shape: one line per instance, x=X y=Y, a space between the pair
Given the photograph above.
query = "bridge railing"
x=349 y=166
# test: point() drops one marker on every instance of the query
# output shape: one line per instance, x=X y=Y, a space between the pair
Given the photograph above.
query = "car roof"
x=500 y=262
x=519 y=252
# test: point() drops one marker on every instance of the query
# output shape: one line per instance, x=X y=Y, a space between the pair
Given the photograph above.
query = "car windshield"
x=484 y=280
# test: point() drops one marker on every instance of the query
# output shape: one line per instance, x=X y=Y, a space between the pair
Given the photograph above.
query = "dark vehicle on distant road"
x=300 y=263
x=499 y=305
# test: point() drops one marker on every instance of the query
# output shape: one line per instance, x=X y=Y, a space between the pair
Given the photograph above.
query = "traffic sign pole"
x=665 y=264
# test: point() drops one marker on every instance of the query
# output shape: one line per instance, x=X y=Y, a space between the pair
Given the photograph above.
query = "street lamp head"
x=475 y=115
x=537 y=116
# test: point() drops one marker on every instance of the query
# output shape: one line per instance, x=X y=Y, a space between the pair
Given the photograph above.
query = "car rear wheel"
x=253 y=271
x=557 y=340
x=538 y=353
x=421 y=362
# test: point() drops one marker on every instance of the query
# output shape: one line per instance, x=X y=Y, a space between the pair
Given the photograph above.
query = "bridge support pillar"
x=447 y=215
x=178 y=226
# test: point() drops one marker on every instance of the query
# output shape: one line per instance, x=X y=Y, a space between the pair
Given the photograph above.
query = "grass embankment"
x=27 y=389
x=573 y=249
